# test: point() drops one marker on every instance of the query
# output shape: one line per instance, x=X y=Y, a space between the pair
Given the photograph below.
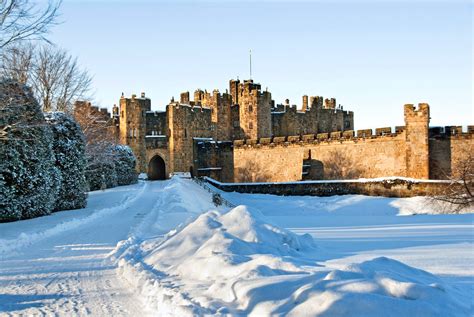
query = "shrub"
x=101 y=175
x=29 y=180
x=69 y=151
x=125 y=162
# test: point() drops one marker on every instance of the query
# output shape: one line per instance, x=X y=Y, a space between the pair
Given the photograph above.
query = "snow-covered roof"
x=210 y=169
x=203 y=139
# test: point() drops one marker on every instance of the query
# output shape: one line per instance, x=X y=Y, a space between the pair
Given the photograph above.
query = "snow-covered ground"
x=162 y=248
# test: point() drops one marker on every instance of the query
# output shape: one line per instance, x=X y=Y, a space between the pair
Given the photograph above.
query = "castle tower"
x=132 y=129
x=417 y=154
x=221 y=115
x=254 y=110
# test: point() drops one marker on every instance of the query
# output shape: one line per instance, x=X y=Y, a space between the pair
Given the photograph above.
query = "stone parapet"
x=389 y=187
x=332 y=137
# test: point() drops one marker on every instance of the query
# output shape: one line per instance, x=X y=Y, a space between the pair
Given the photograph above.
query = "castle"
x=243 y=136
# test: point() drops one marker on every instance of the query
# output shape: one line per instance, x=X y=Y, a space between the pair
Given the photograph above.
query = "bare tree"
x=55 y=76
x=341 y=166
x=24 y=20
x=97 y=126
x=251 y=172
x=58 y=79
x=459 y=194
x=17 y=63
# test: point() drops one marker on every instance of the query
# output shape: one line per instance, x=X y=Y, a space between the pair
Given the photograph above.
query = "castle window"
x=185 y=133
x=236 y=124
x=250 y=108
x=122 y=113
x=347 y=124
x=250 y=125
x=130 y=133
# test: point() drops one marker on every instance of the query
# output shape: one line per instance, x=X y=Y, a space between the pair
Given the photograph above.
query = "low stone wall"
x=389 y=187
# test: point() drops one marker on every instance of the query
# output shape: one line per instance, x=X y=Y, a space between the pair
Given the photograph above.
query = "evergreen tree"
x=29 y=180
x=101 y=175
x=125 y=162
x=69 y=150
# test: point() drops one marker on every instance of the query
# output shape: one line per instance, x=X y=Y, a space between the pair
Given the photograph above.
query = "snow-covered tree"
x=69 y=150
x=101 y=175
x=29 y=179
x=125 y=162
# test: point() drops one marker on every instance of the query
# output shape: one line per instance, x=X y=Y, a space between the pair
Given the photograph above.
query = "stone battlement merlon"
x=422 y=110
x=450 y=132
x=336 y=136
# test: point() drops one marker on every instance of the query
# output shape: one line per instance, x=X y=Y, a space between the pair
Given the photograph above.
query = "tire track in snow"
x=25 y=240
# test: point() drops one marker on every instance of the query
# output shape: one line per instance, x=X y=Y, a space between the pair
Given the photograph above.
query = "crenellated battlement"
x=422 y=112
x=331 y=137
x=451 y=132
x=242 y=135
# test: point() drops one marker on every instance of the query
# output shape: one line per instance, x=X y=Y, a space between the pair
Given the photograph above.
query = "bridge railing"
x=201 y=182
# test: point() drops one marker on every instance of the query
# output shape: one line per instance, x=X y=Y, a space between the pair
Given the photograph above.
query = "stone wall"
x=186 y=123
x=323 y=156
x=446 y=150
x=213 y=159
x=288 y=120
x=389 y=188
x=133 y=127
x=156 y=123
x=417 y=151
x=263 y=163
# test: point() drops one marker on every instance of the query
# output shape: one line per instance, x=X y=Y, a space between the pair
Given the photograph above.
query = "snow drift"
x=235 y=263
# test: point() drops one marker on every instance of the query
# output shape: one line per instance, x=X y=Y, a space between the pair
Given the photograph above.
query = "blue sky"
x=373 y=57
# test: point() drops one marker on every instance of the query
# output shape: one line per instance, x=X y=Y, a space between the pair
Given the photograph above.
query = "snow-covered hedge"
x=29 y=179
x=125 y=162
x=101 y=175
x=113 y=166
x=69 y=150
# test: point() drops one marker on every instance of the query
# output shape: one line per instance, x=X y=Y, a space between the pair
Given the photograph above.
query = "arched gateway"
x=156 y=168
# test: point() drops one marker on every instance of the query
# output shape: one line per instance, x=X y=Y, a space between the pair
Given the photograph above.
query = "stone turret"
x=305 y=103
x=184 y=98
x=133 y=126
x=417 y=151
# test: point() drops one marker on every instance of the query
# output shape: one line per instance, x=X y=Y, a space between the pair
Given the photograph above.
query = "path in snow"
x=60 y=264
x=66 y=270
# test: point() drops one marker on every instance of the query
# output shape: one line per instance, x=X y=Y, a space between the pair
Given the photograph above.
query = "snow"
x=203 y=139
x=210 y=169
x=155 y=136
x=163 y=249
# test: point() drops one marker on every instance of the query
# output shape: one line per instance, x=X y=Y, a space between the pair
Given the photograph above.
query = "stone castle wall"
x=391 y=187
x=280 y=143
x=406 y=152
x=447 y=149
x=185 y=124
x=322 y=156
